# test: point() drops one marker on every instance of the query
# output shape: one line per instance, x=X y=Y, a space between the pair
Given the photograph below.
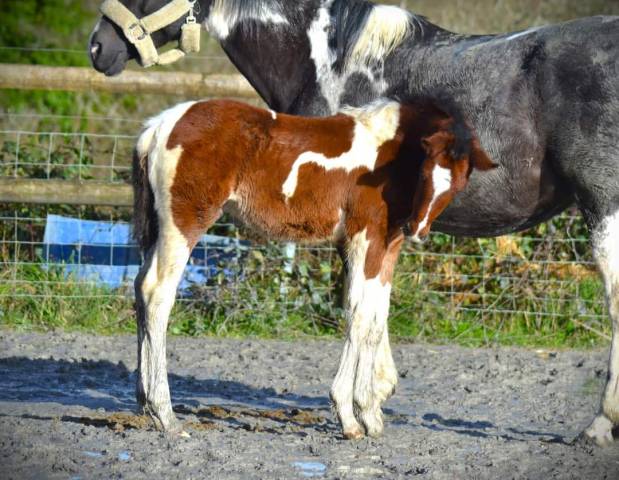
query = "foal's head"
x=452 y=152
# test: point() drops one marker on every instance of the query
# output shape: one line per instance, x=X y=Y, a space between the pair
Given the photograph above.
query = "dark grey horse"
x=544 y=102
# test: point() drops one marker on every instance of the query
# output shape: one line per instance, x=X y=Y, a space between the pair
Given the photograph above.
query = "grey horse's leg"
x=606 y=249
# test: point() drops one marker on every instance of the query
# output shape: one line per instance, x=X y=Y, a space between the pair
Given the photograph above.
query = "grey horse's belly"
x=505 y=201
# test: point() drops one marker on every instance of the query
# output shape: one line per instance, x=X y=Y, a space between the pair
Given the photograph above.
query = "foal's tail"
x=145 y=223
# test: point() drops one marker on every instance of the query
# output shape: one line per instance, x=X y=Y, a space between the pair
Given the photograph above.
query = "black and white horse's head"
x=109 y=48
x=302 y=56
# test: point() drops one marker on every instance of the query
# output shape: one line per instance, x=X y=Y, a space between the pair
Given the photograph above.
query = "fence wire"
x=542 y=277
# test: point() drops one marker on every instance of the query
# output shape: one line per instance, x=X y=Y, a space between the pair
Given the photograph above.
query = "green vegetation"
x=531 y=290
x=474 y=292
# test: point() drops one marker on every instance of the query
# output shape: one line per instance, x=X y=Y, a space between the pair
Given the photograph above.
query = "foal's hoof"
x=354 y=434
x=167 y=423
x=600 y=431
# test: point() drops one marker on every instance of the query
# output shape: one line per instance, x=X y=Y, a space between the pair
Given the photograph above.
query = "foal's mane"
x=364 y=32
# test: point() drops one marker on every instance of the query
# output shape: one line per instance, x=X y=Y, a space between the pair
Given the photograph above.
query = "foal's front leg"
x=155 y=293
x=366 y=376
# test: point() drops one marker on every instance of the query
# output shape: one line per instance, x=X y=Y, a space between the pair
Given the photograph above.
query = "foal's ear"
x=438 y=142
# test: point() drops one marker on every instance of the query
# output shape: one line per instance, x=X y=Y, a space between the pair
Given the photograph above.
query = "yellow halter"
x=138 y=31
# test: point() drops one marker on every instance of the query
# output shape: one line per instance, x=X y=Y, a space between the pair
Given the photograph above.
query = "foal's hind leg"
x=606 y=249
x=155 y=292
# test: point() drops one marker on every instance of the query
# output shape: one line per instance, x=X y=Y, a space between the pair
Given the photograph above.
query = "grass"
x=266 y=302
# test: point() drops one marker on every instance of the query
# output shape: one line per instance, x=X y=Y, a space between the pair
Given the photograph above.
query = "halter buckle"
x=191 y=17
x=136 y=32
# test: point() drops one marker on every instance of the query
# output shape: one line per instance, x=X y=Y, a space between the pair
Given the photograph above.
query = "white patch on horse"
x=441 y=183
x=374 y=125
x=162 y=162
x=93 y=48
x=368 y=325
x=342 y=388
x=224 y=17
x=168 y=260
x=331 y=84
x=521 y=34
x=386 y=27
x=606 y=252
x=273 y=114
x=356 y=387
x=381 y=118
x=339 y=231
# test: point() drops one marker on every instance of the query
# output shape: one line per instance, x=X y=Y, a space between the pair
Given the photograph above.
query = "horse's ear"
x=479 y=158
x=438 y=142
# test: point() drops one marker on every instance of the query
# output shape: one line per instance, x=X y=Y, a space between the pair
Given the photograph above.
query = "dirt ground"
x=260 y=409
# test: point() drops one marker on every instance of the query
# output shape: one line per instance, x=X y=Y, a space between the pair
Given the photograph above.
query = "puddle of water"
x=92 y=454
x=124 y=456
x=310 y=469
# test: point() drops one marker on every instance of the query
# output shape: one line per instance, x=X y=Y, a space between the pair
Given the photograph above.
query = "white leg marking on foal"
x=342 y=389
x=369 y=324
x=441 y=182
x=169 y=260
x=374 y=125
x=356 y=391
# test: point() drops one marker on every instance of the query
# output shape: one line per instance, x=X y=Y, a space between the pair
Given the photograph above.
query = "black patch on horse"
x=347 y=21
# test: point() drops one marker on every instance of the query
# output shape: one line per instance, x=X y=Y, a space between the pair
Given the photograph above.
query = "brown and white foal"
x=358 y=178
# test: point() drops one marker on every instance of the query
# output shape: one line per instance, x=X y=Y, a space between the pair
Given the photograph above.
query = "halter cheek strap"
x=138 y=31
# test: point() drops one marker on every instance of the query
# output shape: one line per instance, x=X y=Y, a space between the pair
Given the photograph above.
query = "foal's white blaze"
x=441 y=183
x=224 y=17
x=374 y=126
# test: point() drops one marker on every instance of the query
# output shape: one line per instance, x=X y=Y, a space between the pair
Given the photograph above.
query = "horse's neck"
x=276 y=71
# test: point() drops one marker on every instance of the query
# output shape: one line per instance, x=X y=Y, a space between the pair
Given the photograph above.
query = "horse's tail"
x=145 y=223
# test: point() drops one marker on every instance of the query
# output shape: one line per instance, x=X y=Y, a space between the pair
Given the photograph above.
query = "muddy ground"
x=259 y=409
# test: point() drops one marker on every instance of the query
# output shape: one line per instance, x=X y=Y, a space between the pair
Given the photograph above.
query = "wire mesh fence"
x=543 y=279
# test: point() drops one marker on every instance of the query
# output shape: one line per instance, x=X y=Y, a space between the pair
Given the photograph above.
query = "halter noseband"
x=138 y=31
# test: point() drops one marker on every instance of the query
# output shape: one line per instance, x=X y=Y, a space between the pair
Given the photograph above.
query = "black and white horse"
x=544 y=103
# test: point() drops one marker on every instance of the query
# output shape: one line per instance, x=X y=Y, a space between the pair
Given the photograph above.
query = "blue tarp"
x=103 y=252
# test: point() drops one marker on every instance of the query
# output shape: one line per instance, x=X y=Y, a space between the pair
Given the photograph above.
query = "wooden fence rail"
x=65 y=192
x=79 y=79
